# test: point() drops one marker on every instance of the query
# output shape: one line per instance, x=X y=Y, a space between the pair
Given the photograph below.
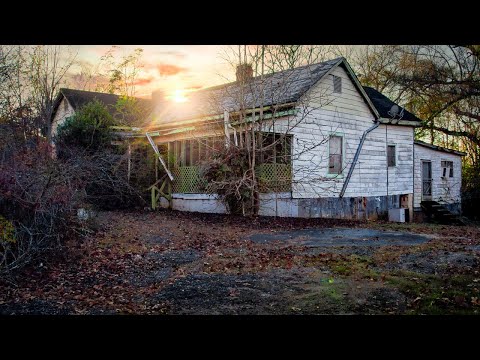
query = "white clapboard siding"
x=443 y=190
x=347 y=113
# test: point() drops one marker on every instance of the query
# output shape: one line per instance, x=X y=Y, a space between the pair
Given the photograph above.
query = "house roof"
x=383 y=105
x=78 y=98
x=278 y=88
x=439 y=148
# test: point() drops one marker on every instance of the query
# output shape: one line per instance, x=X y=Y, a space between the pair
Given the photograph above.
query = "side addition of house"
x=438 y=176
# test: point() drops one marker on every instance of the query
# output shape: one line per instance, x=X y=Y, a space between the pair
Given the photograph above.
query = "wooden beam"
x=155 y=148
x=129 y=161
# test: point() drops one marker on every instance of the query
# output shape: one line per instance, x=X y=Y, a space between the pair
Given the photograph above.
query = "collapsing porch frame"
x=154 y=146
x=157 y=193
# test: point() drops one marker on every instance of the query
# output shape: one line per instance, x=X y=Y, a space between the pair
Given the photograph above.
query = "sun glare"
x=179 y=96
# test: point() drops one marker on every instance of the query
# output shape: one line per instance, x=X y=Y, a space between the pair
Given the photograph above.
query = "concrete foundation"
x=454 y=208
x=370 y=208
x=282 y=205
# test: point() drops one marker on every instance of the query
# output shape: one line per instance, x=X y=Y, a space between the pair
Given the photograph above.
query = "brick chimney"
x=244 y=72
x=158 y=96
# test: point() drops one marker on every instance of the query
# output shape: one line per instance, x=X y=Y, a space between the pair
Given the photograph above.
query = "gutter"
x=355 y=158
x=219 y=116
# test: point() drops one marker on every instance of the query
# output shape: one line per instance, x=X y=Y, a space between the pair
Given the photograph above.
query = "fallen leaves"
x=103 y=274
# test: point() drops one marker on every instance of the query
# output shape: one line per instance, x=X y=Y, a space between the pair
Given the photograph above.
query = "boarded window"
x=447 y=168
x=337 y=84
x=391 y=159
x=335 y=154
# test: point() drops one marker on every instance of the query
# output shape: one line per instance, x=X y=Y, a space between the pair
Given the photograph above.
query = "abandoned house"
x=337 y=149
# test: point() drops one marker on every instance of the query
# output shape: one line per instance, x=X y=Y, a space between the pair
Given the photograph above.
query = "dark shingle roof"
x=78 y=98
x=278 y=88
x=384 y=104
x=439 y=148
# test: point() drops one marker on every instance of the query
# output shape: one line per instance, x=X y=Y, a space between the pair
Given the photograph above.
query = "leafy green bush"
x=88 y=128
x=7 y=231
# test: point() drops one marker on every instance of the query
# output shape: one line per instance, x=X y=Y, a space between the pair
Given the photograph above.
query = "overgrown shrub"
x=471 y=192
x=88 y=128
x=85 y=141
x=38 y=197
x=229 y=175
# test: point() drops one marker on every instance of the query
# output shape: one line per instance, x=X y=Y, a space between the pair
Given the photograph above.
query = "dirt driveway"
x=180 y=263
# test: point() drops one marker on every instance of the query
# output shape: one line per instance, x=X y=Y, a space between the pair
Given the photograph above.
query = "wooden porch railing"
x=158 y=192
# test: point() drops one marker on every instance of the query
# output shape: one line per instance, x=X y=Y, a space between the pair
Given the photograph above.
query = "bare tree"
x=31 y=78
x=440 y=83
x=121 y=72
x=48 y=66
x=262 y=119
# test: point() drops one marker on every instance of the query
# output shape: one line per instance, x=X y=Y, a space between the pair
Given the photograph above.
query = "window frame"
x=339 y=82
x=394 y=155
x=342 y=166
x=444 y=168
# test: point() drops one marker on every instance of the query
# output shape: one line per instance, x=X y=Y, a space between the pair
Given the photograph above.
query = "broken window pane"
x=447 y=167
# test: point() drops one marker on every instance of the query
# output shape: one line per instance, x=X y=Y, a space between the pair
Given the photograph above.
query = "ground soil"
x=188 y=263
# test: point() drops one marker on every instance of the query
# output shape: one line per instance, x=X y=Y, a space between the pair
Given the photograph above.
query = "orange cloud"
x=143 y=81
x=177 y=54
x=170 y=69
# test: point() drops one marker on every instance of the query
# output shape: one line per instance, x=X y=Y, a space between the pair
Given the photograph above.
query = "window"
x=279 y=153
x=337 y=84
x=391 y=159
x=65 y=105
x=192 y=152
x=447 y=169
x=335 y=154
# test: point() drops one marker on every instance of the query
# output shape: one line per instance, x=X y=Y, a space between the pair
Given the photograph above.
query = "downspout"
x=227 y=125
x=355 y=158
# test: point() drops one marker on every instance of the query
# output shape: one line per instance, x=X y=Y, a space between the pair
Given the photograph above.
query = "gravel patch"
x=175 y=258
x=435 y=263
x=216 y=294
x=35 y=307
x=341 y=237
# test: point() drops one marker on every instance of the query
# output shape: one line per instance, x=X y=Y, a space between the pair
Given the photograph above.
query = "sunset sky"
x=173 y=68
